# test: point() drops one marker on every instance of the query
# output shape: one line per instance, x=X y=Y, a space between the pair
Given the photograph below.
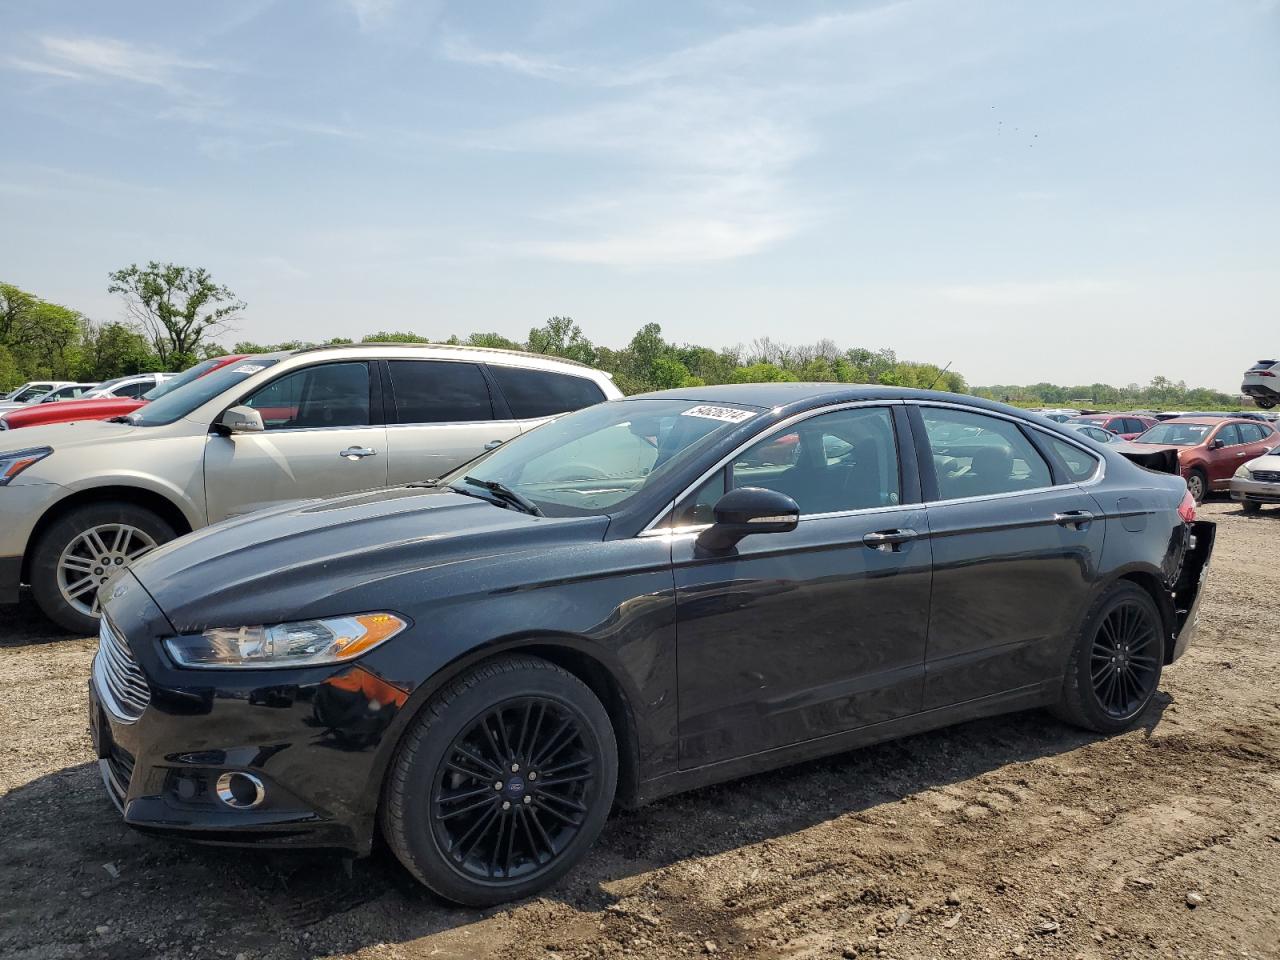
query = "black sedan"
x=642 y=597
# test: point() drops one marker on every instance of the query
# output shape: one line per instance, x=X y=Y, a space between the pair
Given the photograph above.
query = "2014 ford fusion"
x=642 y=597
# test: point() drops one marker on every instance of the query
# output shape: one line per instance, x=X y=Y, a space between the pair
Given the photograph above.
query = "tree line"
x=175 y=316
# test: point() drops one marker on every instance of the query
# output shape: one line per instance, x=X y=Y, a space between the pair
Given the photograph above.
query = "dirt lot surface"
x=1011 y=837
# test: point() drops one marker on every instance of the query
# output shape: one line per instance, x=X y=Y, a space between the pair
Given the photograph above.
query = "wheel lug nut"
x=533 y=774
x=515 y=768
x=528 y=799
x=506 y=804
x=497 y=784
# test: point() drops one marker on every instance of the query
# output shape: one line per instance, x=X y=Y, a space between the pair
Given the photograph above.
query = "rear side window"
x=541 y=393
x=975 y=455
x=1252 y=432
x=134 y=389
x=1076 y=463
x=439 y=391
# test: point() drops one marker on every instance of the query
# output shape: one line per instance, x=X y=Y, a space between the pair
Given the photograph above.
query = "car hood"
x=76 y=434
x=1269 y=461
x=313 y=558
x=66 y=411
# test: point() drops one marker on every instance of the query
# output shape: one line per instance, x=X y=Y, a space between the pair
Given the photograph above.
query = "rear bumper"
x=1257 y=491
x=1260 y=391
x=1190 y=587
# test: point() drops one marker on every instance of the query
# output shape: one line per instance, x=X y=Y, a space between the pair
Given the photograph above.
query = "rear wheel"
x=1265 y=403
x=502 y=783
x=82 y=549
x=1116 y=662
x=1198 y=484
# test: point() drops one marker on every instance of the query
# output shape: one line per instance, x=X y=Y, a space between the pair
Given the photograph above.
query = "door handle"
x=493 y=444
x=357 y=453
x=1073 y=518
x=888 y=541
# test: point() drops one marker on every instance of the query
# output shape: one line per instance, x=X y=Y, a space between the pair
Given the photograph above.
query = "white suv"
x=80 y=500
x=1262 y=383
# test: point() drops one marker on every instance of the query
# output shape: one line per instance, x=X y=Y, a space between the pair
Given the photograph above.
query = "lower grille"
x=1267 y=476
x=119 y=679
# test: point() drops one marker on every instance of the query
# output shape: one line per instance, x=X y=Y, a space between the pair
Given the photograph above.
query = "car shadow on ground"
x=69 y=860
x=23 y=625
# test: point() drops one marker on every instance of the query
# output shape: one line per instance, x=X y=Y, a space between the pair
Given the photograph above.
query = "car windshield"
x=1176 y=434
x=173 y=383
x=186 y=398
x=594 y=461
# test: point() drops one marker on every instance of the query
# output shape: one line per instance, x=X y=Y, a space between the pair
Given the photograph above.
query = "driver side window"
x=327 y=395
x=831 y=463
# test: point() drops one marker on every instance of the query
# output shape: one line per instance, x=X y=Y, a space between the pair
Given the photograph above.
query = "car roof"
x=804 y=395
x=1208 y=421
x=461 y=350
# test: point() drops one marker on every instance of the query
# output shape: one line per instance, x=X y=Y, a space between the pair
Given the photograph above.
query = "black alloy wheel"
x=1115 y=664
x=502 y=781
x=514 y=789
x=1125 y=660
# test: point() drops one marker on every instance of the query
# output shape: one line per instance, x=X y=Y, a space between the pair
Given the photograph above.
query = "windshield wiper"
x=505 y=494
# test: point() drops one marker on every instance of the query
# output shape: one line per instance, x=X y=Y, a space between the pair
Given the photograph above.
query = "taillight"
x=1266 y=373
x=1187 y=508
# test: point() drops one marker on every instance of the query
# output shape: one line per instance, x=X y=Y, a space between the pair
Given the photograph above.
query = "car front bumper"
x=21 y=507
x=1257 y=491
x=316 y=739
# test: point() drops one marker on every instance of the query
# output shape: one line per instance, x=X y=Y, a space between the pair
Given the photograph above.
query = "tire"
x=443 y=812
x=1198 y=484
x=61 y=554
x=1250 y=506
x=1084 y=702
x=1265 y=404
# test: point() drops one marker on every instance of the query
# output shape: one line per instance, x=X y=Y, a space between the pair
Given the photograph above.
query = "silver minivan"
x=80 y=500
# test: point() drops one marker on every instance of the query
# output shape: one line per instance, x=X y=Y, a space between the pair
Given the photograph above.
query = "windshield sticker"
x=249 y=368
x=727 y=414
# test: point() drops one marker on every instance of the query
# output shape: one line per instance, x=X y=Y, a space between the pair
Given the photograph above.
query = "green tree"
x=177 y=306
x=761 y=373
x=114 y=350
x=41 y=338
x=561 y=337
x=394 y=336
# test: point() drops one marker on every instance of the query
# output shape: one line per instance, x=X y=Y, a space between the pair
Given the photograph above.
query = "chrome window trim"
x=1099 y=474
x=649 y=529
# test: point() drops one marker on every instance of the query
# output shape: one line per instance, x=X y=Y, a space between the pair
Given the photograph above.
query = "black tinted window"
x=328 y=395
x=134 y=389
x=975 y=455
x=439 y=391
x=540 y=393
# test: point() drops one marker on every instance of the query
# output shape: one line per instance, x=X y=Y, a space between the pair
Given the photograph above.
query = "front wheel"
x=1198 y=484
x=82 y=549
x=502 y=783
x=1250 y=506
x=1115 y=665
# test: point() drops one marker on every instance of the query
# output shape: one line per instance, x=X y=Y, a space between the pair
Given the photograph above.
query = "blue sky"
x=1034 y=191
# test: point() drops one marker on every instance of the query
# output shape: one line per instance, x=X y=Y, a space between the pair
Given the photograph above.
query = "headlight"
x=12 y=464
x=1244 y=474
x=304 y=643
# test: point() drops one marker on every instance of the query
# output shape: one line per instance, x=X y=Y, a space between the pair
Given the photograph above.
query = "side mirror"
x=241 y=420
x=1217 y=444
x=749 y=510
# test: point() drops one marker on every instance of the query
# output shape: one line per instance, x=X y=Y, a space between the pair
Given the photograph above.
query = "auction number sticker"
x=249 y=368
x=727 y=414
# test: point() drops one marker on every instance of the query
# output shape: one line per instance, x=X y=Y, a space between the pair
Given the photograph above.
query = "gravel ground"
x=1015 y=837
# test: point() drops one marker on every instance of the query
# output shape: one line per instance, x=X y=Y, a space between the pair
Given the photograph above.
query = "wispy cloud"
x=706 y=140
x=105 y=59
x=1017 y=294
x=372 y=13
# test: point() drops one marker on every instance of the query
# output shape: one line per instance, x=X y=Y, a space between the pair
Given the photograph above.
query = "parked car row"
x=34 y=403
x=505 y=597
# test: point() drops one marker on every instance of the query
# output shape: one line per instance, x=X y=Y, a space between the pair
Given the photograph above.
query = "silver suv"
x=80 y=500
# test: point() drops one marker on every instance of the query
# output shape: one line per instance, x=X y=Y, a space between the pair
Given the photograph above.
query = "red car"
x=1210 y=449
x=1126 y=425
x=69 y=410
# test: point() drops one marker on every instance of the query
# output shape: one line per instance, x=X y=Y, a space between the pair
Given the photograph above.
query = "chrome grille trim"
x=1267 y=476
x=119 y=680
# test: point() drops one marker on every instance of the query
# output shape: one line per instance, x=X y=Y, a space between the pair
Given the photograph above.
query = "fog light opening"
x=241 y=791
